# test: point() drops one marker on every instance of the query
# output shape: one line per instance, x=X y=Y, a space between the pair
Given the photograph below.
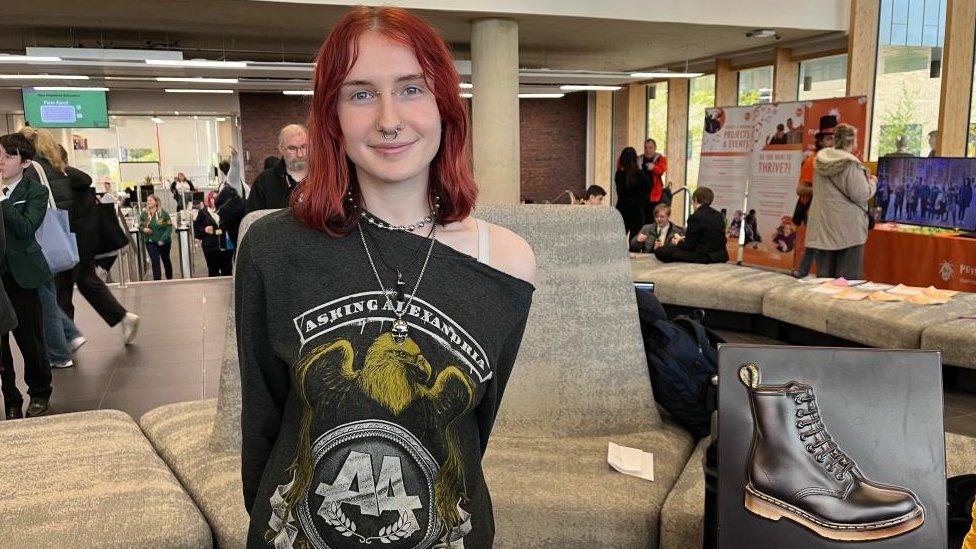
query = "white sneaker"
x=130 y=325
x=66 y=364
x=77 y=342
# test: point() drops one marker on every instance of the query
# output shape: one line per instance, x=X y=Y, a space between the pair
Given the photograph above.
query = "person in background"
x=156 y=225
x=838 y=223
x=213 y=239
x=61 y=336
x=229 y=203
x=804 y=188
x=179 y=188
x=593 y=196
x=655 y=164
x=23 y=271
x=704 y=239
x=933 y=141
x=778 y=138
x=72 y=190
x=658 y=234
x=633 y=185
x=273 y=187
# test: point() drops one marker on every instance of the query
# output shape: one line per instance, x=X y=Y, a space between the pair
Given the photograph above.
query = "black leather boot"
x=796 y=471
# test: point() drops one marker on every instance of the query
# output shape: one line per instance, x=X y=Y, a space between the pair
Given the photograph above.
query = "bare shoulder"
x=511 y=254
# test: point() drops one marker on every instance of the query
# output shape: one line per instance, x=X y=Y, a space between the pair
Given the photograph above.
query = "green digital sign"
x=65 y=109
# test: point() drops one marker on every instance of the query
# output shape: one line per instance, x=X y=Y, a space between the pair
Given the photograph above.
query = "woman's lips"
x=391 y=149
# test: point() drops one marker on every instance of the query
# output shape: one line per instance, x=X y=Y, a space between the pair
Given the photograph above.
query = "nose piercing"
x=391 y=135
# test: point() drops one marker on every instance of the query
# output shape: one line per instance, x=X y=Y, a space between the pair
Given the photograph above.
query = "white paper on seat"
x=875 y=287
x=827 y=289
x=631 y=461
x=814 y=280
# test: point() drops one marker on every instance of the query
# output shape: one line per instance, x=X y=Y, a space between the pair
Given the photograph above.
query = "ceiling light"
x=197 y=80
x=541 y=95
x=466 y=85
x=197 y=63
x=28 y=59
x=467 y=95
x=68 y=88
x=589 y=88
x=298 y=92
x=221 y=118
x=42 y=77
x=665 y=74
x=761 y=33
x=156 y=119
x=188 y=90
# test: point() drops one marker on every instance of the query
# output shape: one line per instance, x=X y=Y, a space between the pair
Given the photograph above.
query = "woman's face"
x=661 y=218
x=151 y=203
x=386 y=89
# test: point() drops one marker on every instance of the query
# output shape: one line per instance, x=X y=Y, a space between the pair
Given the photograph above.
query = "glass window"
x=908 y=77
x=657 y=114
x=823 y=77
x=701 y=96
x=756 y=86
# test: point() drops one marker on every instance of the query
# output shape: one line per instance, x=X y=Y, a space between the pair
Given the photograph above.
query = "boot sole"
x=773 y=509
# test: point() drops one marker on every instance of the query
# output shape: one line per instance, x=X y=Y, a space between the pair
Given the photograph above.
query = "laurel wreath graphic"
x=400 y=529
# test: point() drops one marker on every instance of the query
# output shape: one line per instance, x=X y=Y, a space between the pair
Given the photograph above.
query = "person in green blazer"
x=157 y=229
x=23 y=269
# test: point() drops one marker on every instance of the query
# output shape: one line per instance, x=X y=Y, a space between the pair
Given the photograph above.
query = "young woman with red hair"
x=377 y=321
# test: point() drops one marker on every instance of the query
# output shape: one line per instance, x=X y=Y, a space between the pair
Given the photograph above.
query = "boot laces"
x=824 y=449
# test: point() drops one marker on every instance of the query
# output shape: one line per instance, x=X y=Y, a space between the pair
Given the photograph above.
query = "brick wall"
x=553 y=148
x=262 y=115
x=553 y=138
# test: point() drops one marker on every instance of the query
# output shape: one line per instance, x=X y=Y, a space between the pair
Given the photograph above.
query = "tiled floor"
x=175 y=356
x=177 y=353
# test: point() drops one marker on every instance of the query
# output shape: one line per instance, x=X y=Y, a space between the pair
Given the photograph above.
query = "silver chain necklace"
x=372 y=220
x=399 y=329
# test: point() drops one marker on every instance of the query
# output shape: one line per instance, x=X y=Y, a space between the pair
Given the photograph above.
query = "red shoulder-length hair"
x=320 y=202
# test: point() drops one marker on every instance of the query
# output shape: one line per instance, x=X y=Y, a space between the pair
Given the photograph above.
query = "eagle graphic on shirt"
x=373 y=481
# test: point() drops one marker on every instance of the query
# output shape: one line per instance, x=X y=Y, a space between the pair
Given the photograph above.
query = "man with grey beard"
x=272 y=188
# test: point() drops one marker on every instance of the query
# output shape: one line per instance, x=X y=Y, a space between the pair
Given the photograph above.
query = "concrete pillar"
x=495 y=110
x=677 y=142
x=726 y=84
x=957 y=78
x=786 y=74
x=862 y=53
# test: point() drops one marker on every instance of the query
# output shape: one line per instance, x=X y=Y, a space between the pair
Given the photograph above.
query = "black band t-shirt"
x=349 y=438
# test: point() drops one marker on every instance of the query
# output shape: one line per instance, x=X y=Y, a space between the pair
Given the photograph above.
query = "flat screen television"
x=65 y=109
x=931 y=192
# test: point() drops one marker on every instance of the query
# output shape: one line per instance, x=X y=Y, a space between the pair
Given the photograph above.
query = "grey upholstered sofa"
x=580 y=382
x=740 y=289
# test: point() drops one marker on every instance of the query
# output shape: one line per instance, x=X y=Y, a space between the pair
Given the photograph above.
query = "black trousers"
x=92 y=288
x=218 y=262
x=672 y=254
x=159 y=251
x=29 y=335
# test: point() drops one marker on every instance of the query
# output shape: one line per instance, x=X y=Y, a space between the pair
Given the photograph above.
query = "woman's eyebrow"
x=405 y=78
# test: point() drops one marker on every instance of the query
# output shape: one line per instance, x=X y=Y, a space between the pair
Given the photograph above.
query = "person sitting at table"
x=704 y=239
x=658 y=234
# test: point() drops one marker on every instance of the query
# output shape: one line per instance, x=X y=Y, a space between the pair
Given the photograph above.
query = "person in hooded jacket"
x=838 y=222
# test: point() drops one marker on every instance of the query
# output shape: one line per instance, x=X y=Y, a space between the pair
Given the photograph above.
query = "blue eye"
x=362 y=96
x=412 y=90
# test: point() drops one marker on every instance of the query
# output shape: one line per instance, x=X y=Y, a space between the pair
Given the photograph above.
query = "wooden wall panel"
x=957 y=78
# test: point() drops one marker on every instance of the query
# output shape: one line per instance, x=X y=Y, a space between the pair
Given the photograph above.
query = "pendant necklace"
x=399 y=330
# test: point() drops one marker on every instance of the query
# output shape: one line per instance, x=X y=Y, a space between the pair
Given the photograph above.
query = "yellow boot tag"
x=749 y=375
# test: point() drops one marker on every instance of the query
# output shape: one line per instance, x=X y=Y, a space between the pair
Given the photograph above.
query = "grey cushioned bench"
x=955 y=338
x=721 y=286
x=876 y=324
x=91 y=480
